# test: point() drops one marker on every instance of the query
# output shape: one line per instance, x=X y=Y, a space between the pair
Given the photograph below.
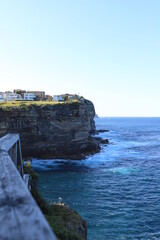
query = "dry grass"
x=28 y=103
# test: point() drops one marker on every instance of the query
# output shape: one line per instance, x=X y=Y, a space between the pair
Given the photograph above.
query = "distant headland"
x=60 y=127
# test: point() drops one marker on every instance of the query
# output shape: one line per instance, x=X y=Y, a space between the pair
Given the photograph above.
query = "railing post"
x=19 y=158
x=14 y=153
x=11 y=144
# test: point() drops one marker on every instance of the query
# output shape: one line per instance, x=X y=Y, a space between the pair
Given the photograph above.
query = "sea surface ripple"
x=117 y=190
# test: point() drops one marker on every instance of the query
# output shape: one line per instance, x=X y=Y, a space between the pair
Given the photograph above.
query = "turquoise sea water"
x=117 y=190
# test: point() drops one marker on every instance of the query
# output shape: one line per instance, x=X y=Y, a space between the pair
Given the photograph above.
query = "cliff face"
x=52 y=131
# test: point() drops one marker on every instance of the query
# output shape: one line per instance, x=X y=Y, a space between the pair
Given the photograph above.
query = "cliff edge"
x=52 y=130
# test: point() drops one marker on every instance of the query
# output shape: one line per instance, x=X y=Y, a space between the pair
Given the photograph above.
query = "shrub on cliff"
x=66 y=223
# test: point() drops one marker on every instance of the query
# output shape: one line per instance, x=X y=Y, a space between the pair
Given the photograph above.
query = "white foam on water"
x=123 y=170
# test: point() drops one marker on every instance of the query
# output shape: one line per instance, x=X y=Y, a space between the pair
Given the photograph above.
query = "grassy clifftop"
x=30 y=103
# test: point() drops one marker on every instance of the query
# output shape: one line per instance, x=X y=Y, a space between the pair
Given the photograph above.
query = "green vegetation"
x=31 y=103
x=65 y=222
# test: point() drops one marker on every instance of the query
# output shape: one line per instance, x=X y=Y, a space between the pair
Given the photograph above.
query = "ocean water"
x=117 y=190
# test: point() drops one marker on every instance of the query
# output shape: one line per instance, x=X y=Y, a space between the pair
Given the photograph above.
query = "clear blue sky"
x=106 y=50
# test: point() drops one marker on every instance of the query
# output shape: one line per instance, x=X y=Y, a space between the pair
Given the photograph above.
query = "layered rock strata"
x=52 y=131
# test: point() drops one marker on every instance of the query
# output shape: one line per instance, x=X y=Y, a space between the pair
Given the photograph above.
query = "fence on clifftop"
x=20 y=216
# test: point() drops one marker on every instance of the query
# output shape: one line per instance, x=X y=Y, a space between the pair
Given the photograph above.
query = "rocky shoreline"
x=53 y=131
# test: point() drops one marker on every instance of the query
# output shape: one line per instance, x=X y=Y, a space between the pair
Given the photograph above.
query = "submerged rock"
x=102 y=130
x=96 y=132
x=102 y=141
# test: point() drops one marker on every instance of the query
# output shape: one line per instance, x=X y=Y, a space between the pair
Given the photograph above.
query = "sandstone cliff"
x=52 y=131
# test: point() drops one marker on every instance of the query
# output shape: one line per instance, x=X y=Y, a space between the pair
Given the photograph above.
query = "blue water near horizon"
x=117 y=190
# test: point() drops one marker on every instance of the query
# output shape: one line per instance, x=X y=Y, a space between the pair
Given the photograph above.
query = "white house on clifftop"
x=1 y=98
x=29 y=96
x=9 y=96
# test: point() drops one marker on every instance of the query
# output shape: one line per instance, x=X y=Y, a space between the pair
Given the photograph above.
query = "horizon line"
x=128 y=117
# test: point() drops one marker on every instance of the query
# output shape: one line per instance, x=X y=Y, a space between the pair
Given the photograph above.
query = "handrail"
x=20 y=216
x=11 y=143
x=8 y=141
